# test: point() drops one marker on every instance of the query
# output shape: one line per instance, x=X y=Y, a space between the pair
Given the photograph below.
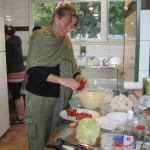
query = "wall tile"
x=26 y=3
x=8 y=3
x=19 y=12
x=76 y=49
x=116 y=47
x=1 y=3
x=144 y=55
x=18 y=3
x=8 y=12
x=1 y=12
x=145 y=25
x=116 y=52
x=143 y=74
x=26 y=21
x=102 y=53
x=102 y=47
x=90 y=50
x=9 y=21
x=21 y=34
x=19 y=22
x=26 y=12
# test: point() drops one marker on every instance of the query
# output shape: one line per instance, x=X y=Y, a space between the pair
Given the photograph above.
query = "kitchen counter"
x=66 y=132
x=63 y=131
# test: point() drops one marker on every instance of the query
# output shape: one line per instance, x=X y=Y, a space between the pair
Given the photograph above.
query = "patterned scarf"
x=47 y=50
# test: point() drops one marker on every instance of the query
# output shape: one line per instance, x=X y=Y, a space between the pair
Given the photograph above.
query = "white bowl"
x=90 y=100
x=117 y=117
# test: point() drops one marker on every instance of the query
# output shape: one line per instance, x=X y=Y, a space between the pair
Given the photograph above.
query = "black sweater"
x=14 y=56
x=37 y=83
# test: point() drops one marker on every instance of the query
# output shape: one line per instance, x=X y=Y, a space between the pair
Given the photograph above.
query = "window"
x=99 y=19
x=89 y=20
x=116 y=19
x=89 y=16
x=43 y=13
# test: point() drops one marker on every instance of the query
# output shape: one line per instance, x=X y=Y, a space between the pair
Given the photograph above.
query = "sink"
x=107 y=77
x=97 y=62
x=108 y=66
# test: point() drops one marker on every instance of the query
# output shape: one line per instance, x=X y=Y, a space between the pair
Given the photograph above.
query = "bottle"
x=146 y=143
x=128 y=135
x=139 y=136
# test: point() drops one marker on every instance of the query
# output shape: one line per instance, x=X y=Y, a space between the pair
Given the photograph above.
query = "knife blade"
x=62 y=141
x=57 y=147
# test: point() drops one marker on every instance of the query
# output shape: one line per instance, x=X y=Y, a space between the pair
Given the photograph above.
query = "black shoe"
x=17 y=121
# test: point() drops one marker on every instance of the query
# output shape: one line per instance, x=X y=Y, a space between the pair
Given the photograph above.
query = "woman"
x=15 y=70
x=52 y=76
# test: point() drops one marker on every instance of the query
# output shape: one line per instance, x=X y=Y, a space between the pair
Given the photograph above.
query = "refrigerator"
x=4 y=109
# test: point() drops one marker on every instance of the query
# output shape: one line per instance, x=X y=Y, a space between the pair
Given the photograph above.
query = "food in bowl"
x=90 y=100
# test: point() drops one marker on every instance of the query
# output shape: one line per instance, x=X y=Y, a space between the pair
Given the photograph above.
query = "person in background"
x=15 y=70
x=52 y=75
x=36 y=28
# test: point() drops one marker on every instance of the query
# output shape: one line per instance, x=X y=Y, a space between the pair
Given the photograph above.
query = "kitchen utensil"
x=90 y=100
x=117 y=117
x=58 y=147
x=62 y=141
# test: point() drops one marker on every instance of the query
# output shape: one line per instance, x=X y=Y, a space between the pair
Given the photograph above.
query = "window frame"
x=104 y=23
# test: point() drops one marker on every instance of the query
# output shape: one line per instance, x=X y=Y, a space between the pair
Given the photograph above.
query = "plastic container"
x=107 y=140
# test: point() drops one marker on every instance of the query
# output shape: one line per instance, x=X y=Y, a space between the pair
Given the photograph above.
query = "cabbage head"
x=87 y=131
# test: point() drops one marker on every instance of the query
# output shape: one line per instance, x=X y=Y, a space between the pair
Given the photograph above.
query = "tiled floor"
x=15 y=138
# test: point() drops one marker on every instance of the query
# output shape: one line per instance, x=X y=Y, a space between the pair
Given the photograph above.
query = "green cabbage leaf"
x=88 y=129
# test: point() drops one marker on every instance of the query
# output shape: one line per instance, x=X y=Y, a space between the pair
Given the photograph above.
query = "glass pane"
x=43 y=13
x=116 y=20
x=89 y=20
x=130 y=39
x=130 y=19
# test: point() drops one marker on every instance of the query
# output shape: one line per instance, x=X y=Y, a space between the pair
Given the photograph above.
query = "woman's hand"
x=71 y=83
x=79 y=78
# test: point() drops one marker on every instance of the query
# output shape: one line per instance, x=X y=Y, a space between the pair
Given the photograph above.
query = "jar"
x=146 y=143
x=139 y=136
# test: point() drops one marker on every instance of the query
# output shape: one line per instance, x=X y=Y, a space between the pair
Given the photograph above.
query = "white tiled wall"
x=144 y=44
x=17 y=12
x=1 y=8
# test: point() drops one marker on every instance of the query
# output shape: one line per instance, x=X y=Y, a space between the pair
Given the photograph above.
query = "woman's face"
x=64 y=25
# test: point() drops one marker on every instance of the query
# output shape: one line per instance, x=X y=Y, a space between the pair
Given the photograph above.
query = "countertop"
x=63 y=131
x=66 y=132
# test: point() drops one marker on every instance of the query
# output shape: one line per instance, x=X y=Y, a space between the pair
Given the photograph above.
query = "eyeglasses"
x=67 y=24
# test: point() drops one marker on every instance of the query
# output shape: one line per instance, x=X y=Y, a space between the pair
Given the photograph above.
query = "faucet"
x=105 y=61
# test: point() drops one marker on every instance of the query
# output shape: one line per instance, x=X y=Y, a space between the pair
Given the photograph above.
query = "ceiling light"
x=91 y=8
x=125 y=7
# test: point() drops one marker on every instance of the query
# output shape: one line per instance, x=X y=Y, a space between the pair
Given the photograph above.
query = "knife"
x=57 y=147
x=62 y=141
